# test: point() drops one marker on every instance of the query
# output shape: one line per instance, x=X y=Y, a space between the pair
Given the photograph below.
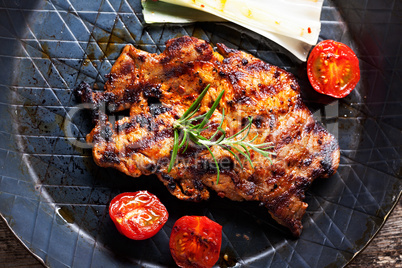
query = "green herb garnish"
x=192 y=132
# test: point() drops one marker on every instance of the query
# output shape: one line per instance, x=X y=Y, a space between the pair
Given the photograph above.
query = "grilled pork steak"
x=158 y=89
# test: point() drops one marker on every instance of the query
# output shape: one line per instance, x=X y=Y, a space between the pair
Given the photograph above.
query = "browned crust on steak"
x=158 y=89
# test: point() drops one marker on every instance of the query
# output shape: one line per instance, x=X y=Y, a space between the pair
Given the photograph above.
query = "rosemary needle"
x=191 y=132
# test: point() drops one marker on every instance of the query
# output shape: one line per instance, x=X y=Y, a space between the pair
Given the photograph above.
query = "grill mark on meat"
x=106 y=133
x=258 y=121
x=110 y=157
x=204 y=166
x=148 y=141
x=277 y=202
x=301 y=184
x=249 y=188
x=287 y=140
x=171 y=182
x=258 y=66
x=125 y=127
x=152 y=91
x=295 y=88
x=162 y=164
x=267 y=90
x=180 y=70
x=202 y=48
x=151 y=168
x=189 y=191
x=85 y=94
x=153 y=94
x=192 y=151
x=145 y=121
x=130 y=95
x=244 y=100
x=199 y=185
x=277 y=74
x=157 y=109
x=309 y=127
x=298 y=105
x=326 y=162
x=141 y=58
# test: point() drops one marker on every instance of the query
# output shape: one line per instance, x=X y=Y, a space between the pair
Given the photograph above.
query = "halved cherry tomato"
x=333 y=69
x=195 y=241
x=138 y=215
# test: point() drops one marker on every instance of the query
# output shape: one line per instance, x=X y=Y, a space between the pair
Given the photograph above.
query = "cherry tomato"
x=333 y=69
x=195 y=242
x=138 y=215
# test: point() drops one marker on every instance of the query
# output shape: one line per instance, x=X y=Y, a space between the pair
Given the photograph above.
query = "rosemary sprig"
x=233 y=144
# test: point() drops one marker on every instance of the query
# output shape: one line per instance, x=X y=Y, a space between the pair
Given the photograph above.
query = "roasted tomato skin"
x=138 y=215
x=333 y=69
x=195 y=242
